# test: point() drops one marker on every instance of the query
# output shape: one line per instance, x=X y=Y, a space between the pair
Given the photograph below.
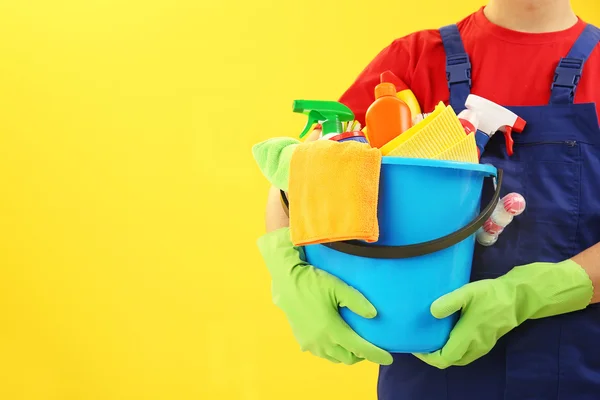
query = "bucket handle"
x=362 y=249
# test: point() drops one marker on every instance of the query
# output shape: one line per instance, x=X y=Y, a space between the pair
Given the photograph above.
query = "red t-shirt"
x=510 y=68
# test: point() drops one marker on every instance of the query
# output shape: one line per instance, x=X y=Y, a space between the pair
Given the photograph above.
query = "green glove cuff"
x=549 y=289
x=273 y=157
x=279 y=253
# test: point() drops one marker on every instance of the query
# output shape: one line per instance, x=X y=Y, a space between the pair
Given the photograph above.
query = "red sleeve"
x=396 y=58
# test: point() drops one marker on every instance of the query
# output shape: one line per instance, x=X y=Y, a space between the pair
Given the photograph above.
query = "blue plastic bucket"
x=429 y=212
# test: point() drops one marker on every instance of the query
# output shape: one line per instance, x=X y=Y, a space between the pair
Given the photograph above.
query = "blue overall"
x=556 y=167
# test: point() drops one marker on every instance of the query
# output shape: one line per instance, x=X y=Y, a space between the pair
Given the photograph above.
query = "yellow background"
x=129 y=201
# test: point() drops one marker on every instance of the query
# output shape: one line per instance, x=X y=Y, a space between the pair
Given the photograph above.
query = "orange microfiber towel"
x=333 y=192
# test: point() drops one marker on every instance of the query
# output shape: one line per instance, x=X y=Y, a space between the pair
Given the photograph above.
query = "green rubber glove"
x=491 y=308
x=310 y=298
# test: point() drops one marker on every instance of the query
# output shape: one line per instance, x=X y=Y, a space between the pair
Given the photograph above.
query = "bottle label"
x=467 y=126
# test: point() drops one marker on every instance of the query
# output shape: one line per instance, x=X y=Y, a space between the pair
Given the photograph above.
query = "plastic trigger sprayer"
x=330 y=114
x=510 y=206
x=492 y=118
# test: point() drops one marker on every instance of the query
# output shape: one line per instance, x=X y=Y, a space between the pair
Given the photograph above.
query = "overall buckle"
x=568 y=73
x=458 y=69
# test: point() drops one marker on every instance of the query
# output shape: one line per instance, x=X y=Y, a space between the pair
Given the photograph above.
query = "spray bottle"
x=330 y=115
x=470 y=121
x=492 y=118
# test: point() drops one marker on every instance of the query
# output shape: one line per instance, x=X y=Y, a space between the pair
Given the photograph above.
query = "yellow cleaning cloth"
x=436 y=136
x=463 y=151
x=333 y=192
x=418 y=127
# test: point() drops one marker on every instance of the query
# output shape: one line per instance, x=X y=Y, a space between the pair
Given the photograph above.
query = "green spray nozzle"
x=331 y=114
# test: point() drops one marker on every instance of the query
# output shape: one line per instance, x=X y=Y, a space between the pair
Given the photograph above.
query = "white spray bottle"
x=493 y=118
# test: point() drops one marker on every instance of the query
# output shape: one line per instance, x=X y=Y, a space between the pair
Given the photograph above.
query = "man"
x=530 y=319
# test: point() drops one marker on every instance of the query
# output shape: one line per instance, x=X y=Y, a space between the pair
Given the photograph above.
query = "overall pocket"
x=551 y=186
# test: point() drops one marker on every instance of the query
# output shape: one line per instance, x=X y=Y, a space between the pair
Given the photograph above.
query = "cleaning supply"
x=463 y=151
x=429 y=213
x=310 y=299
x=470 y=121
x=510 y=206
x=491 y=308
x=333 y=192
x=403 y=92
x=350 y=136
x=273 y=157
x=433 y=136
x=352 y=131
x=388 y=117
x=416 y=128
x=329 y=114
x=493 y=118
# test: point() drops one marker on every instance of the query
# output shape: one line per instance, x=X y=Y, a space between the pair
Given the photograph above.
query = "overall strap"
x=569 y=70
x=458 y=67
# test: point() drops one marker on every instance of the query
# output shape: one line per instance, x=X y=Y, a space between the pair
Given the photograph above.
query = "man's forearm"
x=590 y=261
x=276 y=217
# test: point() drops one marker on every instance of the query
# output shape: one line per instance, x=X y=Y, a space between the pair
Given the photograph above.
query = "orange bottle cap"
x=385 y=89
